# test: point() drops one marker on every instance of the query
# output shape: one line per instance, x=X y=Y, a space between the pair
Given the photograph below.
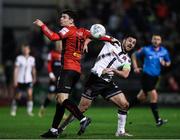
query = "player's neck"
x=157 y=48
x=70 y=25
x=26 y=55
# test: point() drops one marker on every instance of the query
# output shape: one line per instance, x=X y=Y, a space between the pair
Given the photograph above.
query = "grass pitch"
x=140 y=123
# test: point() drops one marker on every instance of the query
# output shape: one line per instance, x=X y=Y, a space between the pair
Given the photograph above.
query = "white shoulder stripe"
x=64 y=30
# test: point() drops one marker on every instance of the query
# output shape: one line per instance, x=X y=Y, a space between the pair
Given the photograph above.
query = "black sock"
x=58 y=115
x=133 y=102
x=154 y=109
x=46 y=102
x=68 y=104
x=122 y=112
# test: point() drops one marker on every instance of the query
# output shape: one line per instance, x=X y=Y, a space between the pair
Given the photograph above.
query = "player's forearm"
x=105 y=38
x=122 y=73
x=109 y=39
x=49 y=66
x=34 y=74
x=15 y=74
x=134 y=61
x=87 y=42
x=50 y=34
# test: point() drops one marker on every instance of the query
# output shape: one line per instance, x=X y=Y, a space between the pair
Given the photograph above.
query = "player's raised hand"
x=85 y=48
x=38 y=22
x=163 y=63
x=115 y=41
x=108 y=71
x=137 y=70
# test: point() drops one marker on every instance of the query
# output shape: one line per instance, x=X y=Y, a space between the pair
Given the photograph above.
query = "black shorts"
x=24 y=86
x=148 y=82
x=97 y=86
x=67 y=80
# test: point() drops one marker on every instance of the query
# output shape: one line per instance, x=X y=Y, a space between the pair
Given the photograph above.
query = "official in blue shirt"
x=155 y=56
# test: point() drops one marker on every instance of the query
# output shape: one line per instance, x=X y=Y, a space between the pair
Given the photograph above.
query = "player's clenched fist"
x=38 y=22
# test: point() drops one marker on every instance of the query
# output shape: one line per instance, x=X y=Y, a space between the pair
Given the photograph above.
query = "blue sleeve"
x=167 y=57
x=140 y=53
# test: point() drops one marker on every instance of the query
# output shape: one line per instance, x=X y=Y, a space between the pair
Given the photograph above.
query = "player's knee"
x=125 y=106
x=154 y=99
x=154 y=96
x=60 y=99
x=141 y=98
x=30 y=98
x=83 y=107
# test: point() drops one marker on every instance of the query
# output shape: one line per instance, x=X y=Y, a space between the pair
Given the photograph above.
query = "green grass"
x=104 y=121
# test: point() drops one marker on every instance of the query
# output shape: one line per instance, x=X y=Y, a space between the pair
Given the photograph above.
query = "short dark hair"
x=72 y=14
x=130 y=35
x=25 y=44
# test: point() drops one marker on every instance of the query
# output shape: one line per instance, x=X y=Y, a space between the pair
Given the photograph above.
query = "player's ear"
x=72 y=20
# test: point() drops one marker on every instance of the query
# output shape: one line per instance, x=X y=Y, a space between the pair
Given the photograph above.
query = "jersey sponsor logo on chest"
x=77 y=54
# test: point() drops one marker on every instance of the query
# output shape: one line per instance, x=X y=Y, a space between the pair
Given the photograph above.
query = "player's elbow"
x=125 y=75
x=52 y=39
x=83 y=106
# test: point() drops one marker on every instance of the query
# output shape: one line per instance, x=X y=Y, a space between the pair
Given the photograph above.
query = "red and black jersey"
x=73 y=39
x=54 y=62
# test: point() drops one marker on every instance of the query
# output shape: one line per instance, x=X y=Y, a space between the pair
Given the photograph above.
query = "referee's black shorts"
x=149 y=82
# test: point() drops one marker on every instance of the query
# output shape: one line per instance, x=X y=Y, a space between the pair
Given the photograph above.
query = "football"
x=97 y=30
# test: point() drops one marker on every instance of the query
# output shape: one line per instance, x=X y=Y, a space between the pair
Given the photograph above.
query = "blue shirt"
x=152 y=65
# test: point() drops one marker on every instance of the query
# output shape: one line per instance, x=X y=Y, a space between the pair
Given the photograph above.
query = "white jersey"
x=25 y=66
x=111 y=56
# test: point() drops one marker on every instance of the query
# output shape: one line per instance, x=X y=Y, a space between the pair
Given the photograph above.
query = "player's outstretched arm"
x=38 y=22
x=110 y=39
x=50 y=34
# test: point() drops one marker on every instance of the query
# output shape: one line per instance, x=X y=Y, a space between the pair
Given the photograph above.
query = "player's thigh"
x=84 y=104
x=61 y=97
x=120 y=100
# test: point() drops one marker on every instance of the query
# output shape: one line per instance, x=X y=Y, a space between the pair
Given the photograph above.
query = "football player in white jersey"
x=24 y=78
x=112 y=60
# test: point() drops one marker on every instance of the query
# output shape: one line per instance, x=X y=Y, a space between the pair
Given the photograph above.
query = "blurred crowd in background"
x=120 y=17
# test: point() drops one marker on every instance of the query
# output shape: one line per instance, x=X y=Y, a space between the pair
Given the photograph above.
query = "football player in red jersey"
x=72 y=41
